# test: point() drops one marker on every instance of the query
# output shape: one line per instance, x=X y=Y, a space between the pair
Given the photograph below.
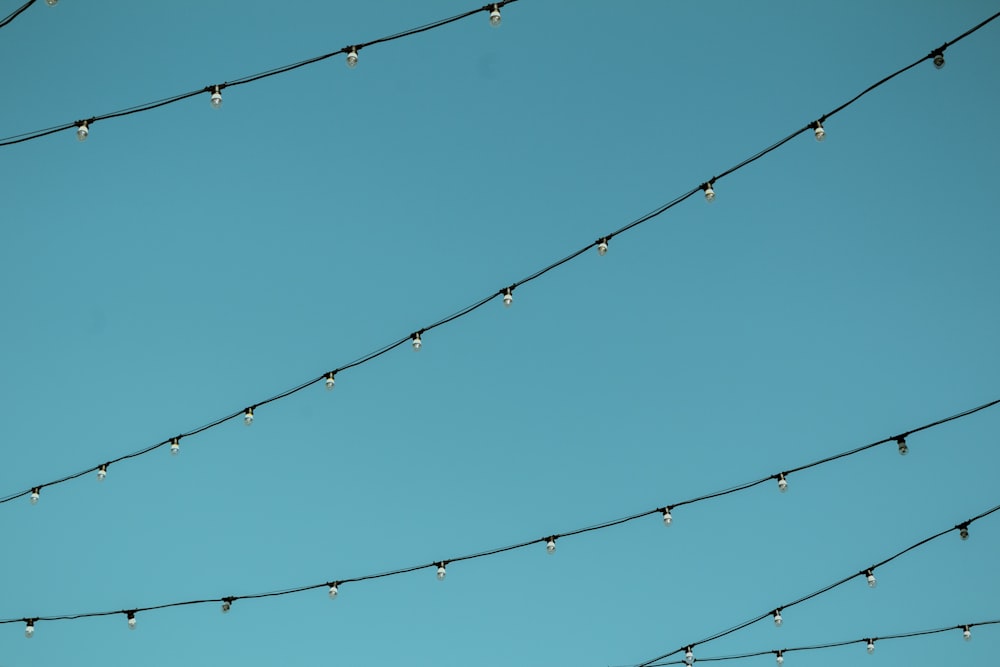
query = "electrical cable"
x=149 y=106
x=14 y=14
x=415 y=336
x=440 y=566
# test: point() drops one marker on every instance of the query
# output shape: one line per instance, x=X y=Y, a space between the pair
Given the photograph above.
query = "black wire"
x=28 y=136
x=499 y=550
x=825 y=589
x=13 y=15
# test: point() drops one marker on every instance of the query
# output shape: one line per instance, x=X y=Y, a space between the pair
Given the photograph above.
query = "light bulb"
x=689 y=655
x=333 y=590
x=51 y=3
x=175 y=446
x=780 y=659
x=29 y=628
x=495 y=16
x=34 y=495
x=416 y=342
x=967 y=633
x=329 y=381
x=819 y=131
x=102 y=472
x=352 y=58
x=901 y=443
x=248 y=416
x=667 y=519
x=939 y=60
x=441 y=572
x=871 y=646
x=131 y=620
x=602 y=247
x=963 y=531
x=82 y=131
x=508 y=297
x=870 y=577
x=216 y=100
x=550 y=546
x=782 y=483
x=709 y=192
x=777 y=618
x=227 y=604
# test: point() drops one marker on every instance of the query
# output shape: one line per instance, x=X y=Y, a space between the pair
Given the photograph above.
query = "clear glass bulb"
x=175 y=446
x=333 y=591
x=416 y=342
x=777 y=619
x=780 y=659
x=939 y=60
x=51 y=3
x=963 y=532
x=709 y=194
x=550 y=546
x=871 y=647
x=34 y=496
x=352 y=59
x=216 y=100
x=248 y=416
x=508 y=298
x=495 y=16
x=441 y=572
x=602 y=248
x=903 y=449
x=667 y=519
x=689 y=656
x=226 y=606
x=782 y=483
x=131 y=621
x=29 y=629
x=819 y=132
x=330 y=382
x=967 y=633
x=82 y=132
x=102 y=472
x=871 y=579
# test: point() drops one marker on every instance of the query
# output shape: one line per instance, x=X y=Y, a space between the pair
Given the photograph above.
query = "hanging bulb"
x=131 y=620
x=689 y=655
x=939 y=60
x=967 y=632
x=175 y=446
x=51 y=3
x=227 y=604
x=550 y=546
x=819 y=131
x=782 y=483
x=709 y=192
x=441 y=572
x=102 y=472
x=602 y=247
x=82 y=130
x=780 y=659
x=901 y=443
x=216 y=99
x=416 y=341
x=248 y=416
x=352 y=57
x=508 y=297
x=667 y=519
x=495 y=15
x=34 y=495
x=777 y=618
x=963 y=531
x=329 y=381
x=29 y=627
x=333 y=590
x=870 y=577
x=871 y=646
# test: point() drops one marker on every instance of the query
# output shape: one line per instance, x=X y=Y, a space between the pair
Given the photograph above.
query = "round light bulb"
x=777 y=619
x=550 y=546
x=689 y=656
x=82 y=132
x=495 y=16
x=709 y=194
x=51 y=3
x=352 y=58
x=175 y=446
x=780 y=659
x=967 y=633
x=29 y=629
x=34 y=496
x=131 y=621
x=441 y=572
x=333 y=591
x=330 y=382
x=102 y=472
x=216 y=100
x=782 y=483
x=871 y=647
x=870 y=577
x=416 y=342
x=939 y=60
x=602 y=248
x=667 y=519
x=819 y=132
x=508 y=298
x=226 y=606
x=903 y=449
x=963 y=532
x=248 y=416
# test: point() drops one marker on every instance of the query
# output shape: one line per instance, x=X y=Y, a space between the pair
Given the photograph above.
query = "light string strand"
x=506 y=292
x=868 y=573
x=17 y=12
x=217 y=88
x=868 y=641
x=549 y=540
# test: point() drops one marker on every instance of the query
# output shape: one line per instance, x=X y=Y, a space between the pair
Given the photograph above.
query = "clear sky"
x=184 y=263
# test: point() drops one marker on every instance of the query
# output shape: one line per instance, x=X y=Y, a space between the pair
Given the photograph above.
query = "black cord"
x=17 y=12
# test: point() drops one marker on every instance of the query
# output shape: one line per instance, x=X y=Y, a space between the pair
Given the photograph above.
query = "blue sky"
x=186 y=262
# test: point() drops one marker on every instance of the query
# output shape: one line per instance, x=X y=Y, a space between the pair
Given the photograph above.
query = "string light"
x=216 y=100
x=333 y=590
x=441 y=571
x=495 y=15
x=417 y=344
x=782 y=483
x=689 y=655
x=780 y=657
x=901 y=444
x=550 y=545
x=777 y=618
x=602 y=246
x=248 y=416
x=709 y=191
x=871 y=646
x=35 y=492
x=967 y=633
x=508 y=296
x=51 y=3
x=227 y=604
x=330 y=382
x=870 y=578
x=963 y=530
x=175 y=446
x=818 y=130
x=667 y=518
x=82 y=130
x=29 y=627
x=130 y=615
x=938 y=57
x=352 y=57
x=102 y=472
